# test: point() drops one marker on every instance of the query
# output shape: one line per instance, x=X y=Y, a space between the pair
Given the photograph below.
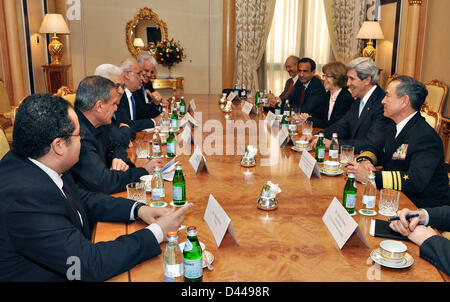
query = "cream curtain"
x=344 y=18
x=299 y=28
x=283 y=41
x=253 y=20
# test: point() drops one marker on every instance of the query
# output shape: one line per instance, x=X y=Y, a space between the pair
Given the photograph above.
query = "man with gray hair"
x=133 y=108
x=364 y=124
x=120 y=132
x=412 y=157
x=103 y=165
x=148 y=64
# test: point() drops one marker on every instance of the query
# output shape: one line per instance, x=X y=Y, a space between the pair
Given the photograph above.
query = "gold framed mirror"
x=147 y=26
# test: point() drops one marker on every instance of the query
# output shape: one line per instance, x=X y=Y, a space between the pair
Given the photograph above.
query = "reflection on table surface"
x=290 y=243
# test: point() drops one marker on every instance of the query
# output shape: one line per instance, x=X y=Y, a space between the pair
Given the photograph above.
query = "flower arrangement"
x=168 y=53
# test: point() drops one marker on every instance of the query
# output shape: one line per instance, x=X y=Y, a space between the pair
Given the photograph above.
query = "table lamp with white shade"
x=370 y=30
x=138 y=43
x=54 y=24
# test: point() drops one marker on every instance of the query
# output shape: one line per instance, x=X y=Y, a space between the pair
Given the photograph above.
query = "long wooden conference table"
x=288 y=244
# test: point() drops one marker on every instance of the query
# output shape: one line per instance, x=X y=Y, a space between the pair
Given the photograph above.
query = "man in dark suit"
x=122 y=133
x=433 y=248
x=46 y=221
x=132 y=108
x=308 y=95
x=412 y=157
x=148 y=64
x=364 y=124
x=103 y=165
x=292 y=83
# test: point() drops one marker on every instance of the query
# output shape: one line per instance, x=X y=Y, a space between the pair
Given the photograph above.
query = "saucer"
x=376 y=256
x=331 y=173
x=298 y=149
x=163 y=205
x=177 y=206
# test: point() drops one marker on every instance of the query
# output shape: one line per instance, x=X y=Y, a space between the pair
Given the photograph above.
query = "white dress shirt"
x=403 y=123
x=56 y=178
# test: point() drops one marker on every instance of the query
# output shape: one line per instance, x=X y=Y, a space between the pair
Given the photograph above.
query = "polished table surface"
x=290 y=243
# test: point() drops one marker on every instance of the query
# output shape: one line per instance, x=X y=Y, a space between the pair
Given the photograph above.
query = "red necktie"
x=302 y=94
x=289 y=89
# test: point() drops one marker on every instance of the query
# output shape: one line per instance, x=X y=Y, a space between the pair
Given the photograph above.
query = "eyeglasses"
x=328 y=76
x=81 y=134
x=118 y=85
x=138 y=73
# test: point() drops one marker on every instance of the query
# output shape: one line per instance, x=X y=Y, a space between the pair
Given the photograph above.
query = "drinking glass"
x=307 y=127
x=347 y=153
x=388 y=204
x=136 y=191
x=142 y=149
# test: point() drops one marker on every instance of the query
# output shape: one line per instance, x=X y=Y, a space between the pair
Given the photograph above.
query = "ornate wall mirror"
x=147 y=26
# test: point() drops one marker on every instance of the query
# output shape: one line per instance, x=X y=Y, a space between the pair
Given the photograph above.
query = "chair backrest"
x=390 y=78
x=432 y=117
x=437 y=94
x=5 y=105
x=67 y=94
x=4 y=145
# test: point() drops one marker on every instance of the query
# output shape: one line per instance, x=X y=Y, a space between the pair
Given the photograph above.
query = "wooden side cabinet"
x=56 y=76
x=172 y=83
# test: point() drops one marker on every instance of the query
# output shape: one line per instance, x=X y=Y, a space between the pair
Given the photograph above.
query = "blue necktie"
x=133 y=108
x=361 y=106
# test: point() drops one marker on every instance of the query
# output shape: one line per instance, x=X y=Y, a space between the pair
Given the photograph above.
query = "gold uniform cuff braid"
x=392 y=180
x=367 y=155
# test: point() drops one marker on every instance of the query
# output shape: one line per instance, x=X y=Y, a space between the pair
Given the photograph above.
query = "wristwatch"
x=136 y=210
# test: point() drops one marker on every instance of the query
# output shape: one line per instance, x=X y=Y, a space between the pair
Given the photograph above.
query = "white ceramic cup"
x=330 y=165
x=301 y=144
x=393 y=251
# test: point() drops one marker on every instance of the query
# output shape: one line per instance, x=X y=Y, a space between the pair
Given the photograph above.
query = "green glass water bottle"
x=349 y=199
x=179 y=187
x=320 y=149
x=192 y=257
x=174 y=119
x=171 y=144
x=182 y=107
x=257 y=98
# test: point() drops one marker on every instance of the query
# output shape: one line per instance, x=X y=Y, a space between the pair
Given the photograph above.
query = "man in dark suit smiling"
x=364 y=124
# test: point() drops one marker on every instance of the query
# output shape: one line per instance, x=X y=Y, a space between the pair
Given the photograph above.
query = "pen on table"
x=407 y=217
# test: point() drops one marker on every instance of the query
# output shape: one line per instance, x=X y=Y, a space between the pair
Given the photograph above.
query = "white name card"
x=308 y=164
x=192 y=106
x=270 y=118
x=248 y=108
x=198 y=161
x=218 y=221
x=188 y=119
x=186 y=136
x=341 y=225
x=283 y=136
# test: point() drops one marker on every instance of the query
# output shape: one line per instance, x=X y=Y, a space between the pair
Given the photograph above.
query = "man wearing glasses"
x=47 y=221
x=132 y=107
